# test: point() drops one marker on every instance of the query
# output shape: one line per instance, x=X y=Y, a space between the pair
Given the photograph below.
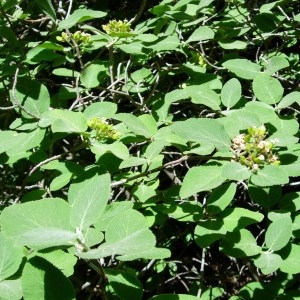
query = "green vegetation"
x=149 y=149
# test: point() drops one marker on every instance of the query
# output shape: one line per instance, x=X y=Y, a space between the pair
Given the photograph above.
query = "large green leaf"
x=47 y=7
x=209 y=231
x=62 y=260
x=64 y=121
x=231 y=92
x=124 y=284
x=267 y=89
x=33 y=96
x=276 y=63
x=240 y=244
x=200 y=34
x=235 y=171
x=279 y=232
x=243 y=68
x=203 y=131
x=11 y=289
x=93 y=74
x=238 y=217
x=203 y=95
x=10 y=258
x=100 y=110
x=79 y=16
x=41 y=280
x=268 y=262
x=199 y=179
x=40 y=224
x=174 y=297
x=220 y=198
x=270 y=175
x=132 y=240
x=134 y=124
x=88 y=200
x=20 y=142
x=289 y=99
x=166 y=43
x=291 y=259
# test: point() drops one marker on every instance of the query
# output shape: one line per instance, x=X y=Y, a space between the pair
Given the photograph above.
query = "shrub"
x=150 y=157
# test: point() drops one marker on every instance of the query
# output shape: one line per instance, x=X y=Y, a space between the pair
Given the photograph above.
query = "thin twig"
x=139 y=13
x=55 y=157
x=69 y=8
x=77 y=50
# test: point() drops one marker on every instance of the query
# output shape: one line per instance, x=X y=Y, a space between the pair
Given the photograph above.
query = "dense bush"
x=149 y=149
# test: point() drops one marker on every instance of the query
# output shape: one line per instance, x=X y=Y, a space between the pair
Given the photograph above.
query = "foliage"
x=149 y=149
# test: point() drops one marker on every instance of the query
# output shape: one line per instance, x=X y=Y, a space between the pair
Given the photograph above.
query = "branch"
x=167 y=165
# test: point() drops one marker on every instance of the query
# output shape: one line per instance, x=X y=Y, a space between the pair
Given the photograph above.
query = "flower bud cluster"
x=102 y=129
x=252 y=150
x=79 y=37
x=115 y=26
x=198 y=59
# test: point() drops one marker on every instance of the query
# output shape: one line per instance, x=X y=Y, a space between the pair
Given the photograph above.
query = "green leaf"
x=60 y=181
x=275 y=64
x=62 y=260
x=233 y=44
x=237 y=218
x=268 y=262
x=203 y=131
x=149 y=122
x=134 y=124
x=132 y=240
x=174 y=297
x=279 y=232
x=288 y=100
x=18 y=143
x=242 y=68
x=169 y=43
x=40 y=224
x=186 y=212
x=267 y=89
x=88 y=200
x=264 y=112
x=11 y=289
x=39 y=54
x=118 y=149
x=79 y=16
x=220 y=198
x=269 y=175
x=33 y=95
x=93 y=74
x=231 y=92
x=143 y=192
x=235 y=171
x=10 y=258
x=100 y=110
x=212 y=293
x=209 y=231
x=65 y=121
x=132 y=162
x=47 y=7
x=124 y=284
x=65 y=72
x=203 y=95
x=200 y=34
x=199 y=179
x=240 y=244
x=291 y=259
x=47 y=280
